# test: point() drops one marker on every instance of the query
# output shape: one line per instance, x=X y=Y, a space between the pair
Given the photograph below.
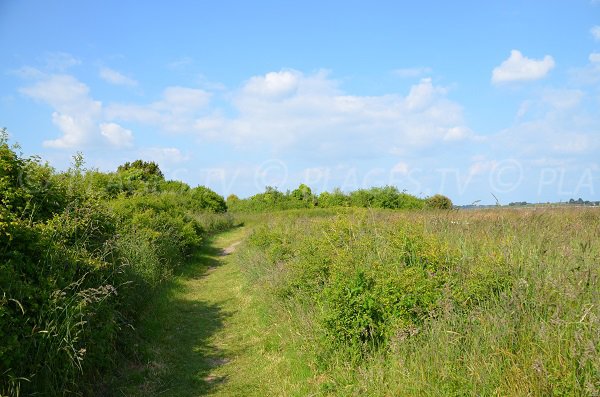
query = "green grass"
x=514 y=309
x=517 y=312
x=205 y=333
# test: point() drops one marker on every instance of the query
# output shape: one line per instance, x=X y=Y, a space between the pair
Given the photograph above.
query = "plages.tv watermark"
x=500 y=177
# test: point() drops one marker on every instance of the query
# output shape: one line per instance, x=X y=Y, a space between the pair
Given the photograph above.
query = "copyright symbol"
x=272 y=172
x=506 y=176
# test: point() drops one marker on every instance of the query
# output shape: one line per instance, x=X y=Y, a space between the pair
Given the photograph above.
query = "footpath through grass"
x=200 y=333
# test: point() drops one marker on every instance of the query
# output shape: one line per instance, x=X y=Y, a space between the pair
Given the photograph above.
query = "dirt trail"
x=231 y=249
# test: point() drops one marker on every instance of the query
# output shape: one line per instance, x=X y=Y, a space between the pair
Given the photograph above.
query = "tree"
x=439 y=201
x=206 y=199
x=140 y=169
x=304 y=193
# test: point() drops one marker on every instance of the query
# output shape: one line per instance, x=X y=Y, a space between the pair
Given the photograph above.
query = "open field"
x=125 y=283
x=496 y=302
x=362 y=302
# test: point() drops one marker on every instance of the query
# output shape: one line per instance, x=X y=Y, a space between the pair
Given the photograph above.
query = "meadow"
x=499 y=302
x=125 y=283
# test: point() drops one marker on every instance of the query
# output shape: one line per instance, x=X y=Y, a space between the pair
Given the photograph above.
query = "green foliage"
x=385 y=197
x=492 y=302
x=438 y=202
x=144 y=170
x=337 y=198
x=273 y=199
x=80 y=253
x=372 y=281
x=206 y=199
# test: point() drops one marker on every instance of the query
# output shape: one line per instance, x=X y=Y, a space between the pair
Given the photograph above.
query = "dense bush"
x=372 y=281
x=272 y=199
x=80 y=252
x=439 y=202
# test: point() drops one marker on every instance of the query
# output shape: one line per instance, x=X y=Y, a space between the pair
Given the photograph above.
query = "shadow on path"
x=176 y=354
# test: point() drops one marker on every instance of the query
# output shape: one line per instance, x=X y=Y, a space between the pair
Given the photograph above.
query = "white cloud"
x=290 y=108
x=595 y=31
x=75 y=129
x=77 y=115
x=184 y=100
x=562 y=99
x=520 y=68
x=114 y=77
x=180 y=64
x=308 y=112
x=557 y=124
x=457 y=133
x=75 y=112
x=60 y=61
x=116 y=135
x=421 y=95
x=481 y=166
x=177 y=111
x=274 y=84
x=166 y=155
x=400 y=168
x=590 y=73
x=574 y=144
x=412 y=72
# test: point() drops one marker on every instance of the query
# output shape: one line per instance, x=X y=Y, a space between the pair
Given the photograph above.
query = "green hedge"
x=80 y=253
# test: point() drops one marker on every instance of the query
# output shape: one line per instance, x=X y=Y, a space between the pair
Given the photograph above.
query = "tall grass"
x=495 y=302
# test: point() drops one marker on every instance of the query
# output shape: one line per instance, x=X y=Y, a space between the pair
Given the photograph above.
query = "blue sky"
x=464 y=98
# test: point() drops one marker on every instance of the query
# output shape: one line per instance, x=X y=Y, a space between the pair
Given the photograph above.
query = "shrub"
x=206 y=199
x=80 y=252
x=439 y=202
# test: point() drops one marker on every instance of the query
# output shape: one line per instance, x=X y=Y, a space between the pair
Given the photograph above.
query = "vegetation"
x=80 y=254
x=388 y=197
x=494 y=302
x=114 y=284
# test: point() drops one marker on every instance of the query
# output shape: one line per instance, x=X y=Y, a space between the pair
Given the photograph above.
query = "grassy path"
x=200 y=334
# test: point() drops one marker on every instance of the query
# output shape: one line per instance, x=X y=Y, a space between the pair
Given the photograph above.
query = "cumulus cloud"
x=595 y=31
x=112 y=76
x=309 y=112
x=290 y=108
x=176 y=111
x=520 y=68
x=75 y=112
x=552 y=123
x=116 y=135
x=274 y=84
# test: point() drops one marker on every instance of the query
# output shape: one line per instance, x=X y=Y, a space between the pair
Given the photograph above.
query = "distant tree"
x=144 y=170
x=175 y=186
x=336 y=198
x=232 y=198
x=206 y=199
x=438 y=201
x=304 y=193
